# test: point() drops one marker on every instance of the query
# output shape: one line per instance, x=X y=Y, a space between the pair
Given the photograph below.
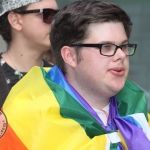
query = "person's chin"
x=118 y=87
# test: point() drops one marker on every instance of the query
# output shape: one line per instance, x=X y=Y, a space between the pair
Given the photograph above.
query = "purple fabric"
x=133 y=136
x=87 y=106
x=113 y=112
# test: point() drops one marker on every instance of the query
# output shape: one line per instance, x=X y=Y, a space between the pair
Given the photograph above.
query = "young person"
x=24 y=25
x=85 y=101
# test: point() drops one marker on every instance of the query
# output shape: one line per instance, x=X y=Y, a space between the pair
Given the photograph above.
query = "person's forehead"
x=107 y=31
x=105 y=26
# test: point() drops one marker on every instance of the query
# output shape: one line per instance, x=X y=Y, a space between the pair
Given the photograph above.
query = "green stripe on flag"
x=131 y=99
x=70 y=108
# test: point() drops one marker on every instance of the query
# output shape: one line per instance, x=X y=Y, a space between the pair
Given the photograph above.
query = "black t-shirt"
x=13 y=76
x=3 y=88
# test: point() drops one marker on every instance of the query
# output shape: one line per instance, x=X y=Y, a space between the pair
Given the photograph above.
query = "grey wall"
x=139 y=12
x=2 y=45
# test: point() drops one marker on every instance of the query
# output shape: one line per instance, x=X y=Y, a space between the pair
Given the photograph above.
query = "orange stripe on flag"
x=10 y=141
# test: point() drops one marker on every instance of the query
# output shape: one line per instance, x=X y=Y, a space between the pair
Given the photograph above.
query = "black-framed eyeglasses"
x=110 y=49
x=47 y=13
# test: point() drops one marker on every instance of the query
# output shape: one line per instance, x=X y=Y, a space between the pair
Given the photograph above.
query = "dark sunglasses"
x=47 y=13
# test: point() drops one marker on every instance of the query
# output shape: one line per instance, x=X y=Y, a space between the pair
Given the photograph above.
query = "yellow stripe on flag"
x=34 y=115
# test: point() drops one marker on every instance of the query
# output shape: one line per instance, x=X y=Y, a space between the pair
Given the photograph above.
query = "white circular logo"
x=3 y=123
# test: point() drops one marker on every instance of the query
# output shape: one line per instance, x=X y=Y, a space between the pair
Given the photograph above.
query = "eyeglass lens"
x=110 y=50
x=48 y=15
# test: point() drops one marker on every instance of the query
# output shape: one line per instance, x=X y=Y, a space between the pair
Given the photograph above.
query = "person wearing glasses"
x=85 y=101
x=25 y=26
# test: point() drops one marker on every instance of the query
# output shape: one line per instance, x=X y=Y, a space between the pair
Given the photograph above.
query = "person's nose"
x=120 y=54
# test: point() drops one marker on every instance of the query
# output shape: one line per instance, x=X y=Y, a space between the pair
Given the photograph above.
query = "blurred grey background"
x=139 y=12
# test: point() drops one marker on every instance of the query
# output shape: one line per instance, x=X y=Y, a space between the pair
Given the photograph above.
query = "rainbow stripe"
x=43 y=116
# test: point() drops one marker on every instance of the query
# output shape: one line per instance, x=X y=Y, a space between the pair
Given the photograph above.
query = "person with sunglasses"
x=25 y=27
x=85 y=102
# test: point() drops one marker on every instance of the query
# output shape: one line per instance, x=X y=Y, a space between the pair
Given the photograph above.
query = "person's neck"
x=22 y=60
x=94 y=99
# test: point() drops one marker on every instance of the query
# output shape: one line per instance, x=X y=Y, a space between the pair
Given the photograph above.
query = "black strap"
x=3 y=88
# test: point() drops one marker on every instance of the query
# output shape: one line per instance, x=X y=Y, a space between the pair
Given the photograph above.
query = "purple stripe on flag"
x=87 y=106
x=133 y=136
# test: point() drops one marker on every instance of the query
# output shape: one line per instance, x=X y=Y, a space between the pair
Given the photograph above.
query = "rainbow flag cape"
x=44 y=112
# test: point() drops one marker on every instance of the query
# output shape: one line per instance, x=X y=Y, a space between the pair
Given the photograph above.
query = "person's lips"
x=117 y=71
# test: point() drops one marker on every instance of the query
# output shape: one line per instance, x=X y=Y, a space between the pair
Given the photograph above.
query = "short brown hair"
x=71 y=23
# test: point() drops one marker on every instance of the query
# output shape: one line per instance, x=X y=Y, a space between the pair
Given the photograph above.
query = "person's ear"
x=15 y=20
x=69 y=56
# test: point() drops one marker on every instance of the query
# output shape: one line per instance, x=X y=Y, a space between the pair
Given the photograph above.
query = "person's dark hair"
x=71 y=23
x=5 y=28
